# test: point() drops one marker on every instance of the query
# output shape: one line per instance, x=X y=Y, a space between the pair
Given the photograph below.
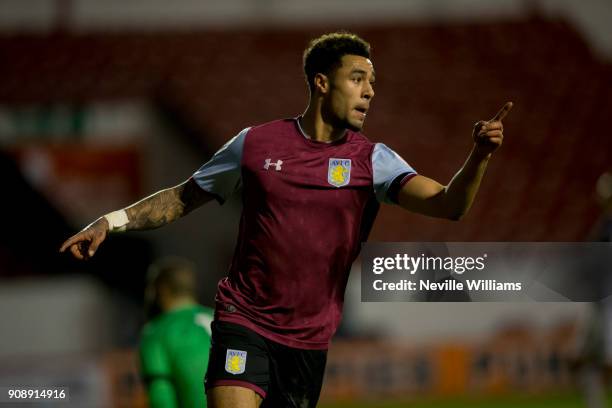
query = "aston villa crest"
x=339 y=172
x=235 y=361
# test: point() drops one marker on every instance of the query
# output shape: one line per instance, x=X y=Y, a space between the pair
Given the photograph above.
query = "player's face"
x=351 y=91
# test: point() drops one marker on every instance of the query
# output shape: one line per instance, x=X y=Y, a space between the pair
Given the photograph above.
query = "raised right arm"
x=218 y=178
x=151 y=212
x=166 y=206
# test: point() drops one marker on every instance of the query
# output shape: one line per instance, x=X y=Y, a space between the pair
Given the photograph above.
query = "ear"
x=321 y=83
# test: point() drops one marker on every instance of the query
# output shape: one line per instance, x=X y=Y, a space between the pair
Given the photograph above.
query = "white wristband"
x=117 y=221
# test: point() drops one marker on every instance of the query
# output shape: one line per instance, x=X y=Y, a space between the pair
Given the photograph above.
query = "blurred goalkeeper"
x=311 y=187
x=176 y=340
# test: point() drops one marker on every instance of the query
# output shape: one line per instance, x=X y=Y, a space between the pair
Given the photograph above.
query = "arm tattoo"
x=165 y=206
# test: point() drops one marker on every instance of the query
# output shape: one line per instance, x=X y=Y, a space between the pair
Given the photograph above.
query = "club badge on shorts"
x=339 y=172
x=235 y=361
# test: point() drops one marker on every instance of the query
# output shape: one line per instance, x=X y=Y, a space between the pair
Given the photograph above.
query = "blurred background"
x=104 y=102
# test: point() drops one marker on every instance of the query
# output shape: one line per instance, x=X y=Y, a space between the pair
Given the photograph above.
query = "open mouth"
x=362 y=110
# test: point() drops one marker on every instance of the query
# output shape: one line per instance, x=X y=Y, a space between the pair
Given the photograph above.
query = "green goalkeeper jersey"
x=174 y=356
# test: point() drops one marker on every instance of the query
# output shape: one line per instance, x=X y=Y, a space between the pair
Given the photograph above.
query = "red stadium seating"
x=433 y=82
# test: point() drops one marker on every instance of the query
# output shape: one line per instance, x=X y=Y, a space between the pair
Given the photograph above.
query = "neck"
x=177 y=303
x=317 y=128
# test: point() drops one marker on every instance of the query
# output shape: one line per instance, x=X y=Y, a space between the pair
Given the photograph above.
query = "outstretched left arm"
x=426 y=196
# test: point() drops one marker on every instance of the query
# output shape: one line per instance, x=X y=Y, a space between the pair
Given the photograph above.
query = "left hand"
x=488 y=135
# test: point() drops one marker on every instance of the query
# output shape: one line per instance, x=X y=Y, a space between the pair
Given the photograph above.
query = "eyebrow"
x=361 y=71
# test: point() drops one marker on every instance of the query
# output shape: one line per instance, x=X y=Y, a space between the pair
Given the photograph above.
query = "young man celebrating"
x=311 y=187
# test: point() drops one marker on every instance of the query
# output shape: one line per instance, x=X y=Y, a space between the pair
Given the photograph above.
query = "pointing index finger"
x=66 y=244
x=71 y=241
x=502 y=112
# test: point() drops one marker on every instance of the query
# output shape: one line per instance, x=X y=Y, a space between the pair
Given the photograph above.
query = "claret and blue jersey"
x=307 y=206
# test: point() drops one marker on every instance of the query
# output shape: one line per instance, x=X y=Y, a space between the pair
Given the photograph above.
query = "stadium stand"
x=431 y=87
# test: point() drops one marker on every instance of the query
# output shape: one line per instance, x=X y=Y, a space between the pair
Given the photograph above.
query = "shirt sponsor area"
x=488 y=271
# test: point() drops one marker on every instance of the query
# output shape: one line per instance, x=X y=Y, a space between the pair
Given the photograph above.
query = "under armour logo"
x=276 y=165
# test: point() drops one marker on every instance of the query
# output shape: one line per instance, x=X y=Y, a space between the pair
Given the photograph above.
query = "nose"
x=368 y=92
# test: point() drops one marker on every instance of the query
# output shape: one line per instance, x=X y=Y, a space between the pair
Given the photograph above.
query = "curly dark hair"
x=324 y=53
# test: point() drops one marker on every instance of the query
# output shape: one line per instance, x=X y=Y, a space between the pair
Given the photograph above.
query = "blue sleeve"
x=386 y=167
x=222 y=174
